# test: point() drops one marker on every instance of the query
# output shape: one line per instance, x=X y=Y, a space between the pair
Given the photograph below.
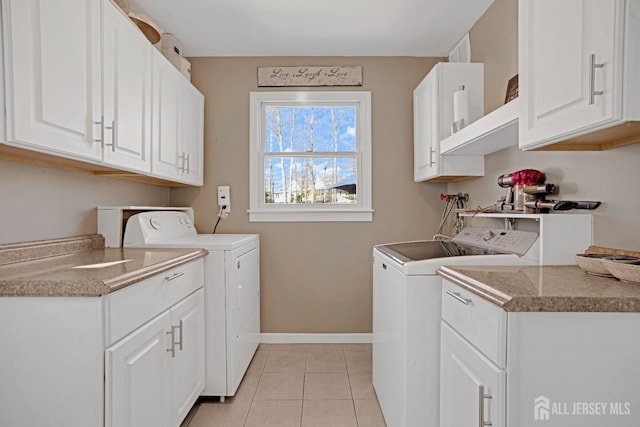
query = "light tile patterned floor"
x=299 y=385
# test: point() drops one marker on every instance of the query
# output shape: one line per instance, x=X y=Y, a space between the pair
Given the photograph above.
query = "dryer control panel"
x=158 y=226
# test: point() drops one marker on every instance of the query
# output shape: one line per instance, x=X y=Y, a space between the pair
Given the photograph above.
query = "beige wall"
x=494 y=41
x=609 y=176
x=316 y=277
x=42 y=203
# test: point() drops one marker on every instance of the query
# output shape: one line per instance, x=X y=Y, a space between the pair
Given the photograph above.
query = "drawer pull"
x=482 y=396
x=457 y=296
x=174 y=276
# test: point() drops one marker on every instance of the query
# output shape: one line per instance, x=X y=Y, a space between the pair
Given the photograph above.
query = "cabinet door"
x=472 y=389
x=425 y=130
x=137 y=383
x=192 y=133
x=53 y=74
x=187 y=319
x=127 y=96
x=570 y=68
x=166 y=119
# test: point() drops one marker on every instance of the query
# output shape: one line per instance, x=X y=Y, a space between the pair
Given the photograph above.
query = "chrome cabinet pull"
x=101 y=124
x=457 y=296
x=181 y=160
x=188 y=160
x=431 y=153
x=112 y=128
x=172 y=349
x=592 y=79
x=180 y=342
x=482 y=396
x=180 y=335
x=174 y=276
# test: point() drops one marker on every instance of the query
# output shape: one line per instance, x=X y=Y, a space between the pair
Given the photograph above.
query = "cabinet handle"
x=180 y=335
x=482 y=396
x=457 y=296
x=384 y=266
x=113 y=136
x=238 y=265
x=431 y=153
x=174 y=276
x=592 y=79
x=181 y=159
x=172 y=349
x=101 y=124
x=188 y=160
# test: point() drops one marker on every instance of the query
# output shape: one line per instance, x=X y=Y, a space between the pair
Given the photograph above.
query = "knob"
x=488 y=236
x=154 y=223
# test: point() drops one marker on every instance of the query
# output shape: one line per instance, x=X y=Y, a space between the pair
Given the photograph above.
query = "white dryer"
x=232 y=290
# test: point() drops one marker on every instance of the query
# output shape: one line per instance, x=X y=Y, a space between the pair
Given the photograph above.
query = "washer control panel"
x=499 y=240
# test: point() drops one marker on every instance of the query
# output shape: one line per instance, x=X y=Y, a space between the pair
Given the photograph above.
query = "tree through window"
x=311 y=150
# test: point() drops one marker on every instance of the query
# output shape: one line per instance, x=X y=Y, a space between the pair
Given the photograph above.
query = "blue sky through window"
x=308 y=149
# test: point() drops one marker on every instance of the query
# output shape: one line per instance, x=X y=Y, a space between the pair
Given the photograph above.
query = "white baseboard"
x=316 y=338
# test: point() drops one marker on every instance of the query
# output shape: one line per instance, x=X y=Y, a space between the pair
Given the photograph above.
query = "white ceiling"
x=316 y=27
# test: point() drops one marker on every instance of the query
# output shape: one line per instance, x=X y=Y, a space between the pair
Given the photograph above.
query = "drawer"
x=481 y=323
x=130 y=307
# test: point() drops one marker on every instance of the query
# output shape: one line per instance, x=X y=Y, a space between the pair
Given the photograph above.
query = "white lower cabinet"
x=132 y=358
x=138 y=377
x=472 y=388
x=526 y=369
x=155 y=374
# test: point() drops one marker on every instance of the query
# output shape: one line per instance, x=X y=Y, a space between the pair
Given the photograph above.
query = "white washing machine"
x=232 y=288
x=407 y=303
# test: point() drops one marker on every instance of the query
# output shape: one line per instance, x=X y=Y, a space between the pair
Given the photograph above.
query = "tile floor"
x=301 y=385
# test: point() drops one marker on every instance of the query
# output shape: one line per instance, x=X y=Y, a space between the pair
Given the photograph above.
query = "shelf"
x=514 y=215
x=494 y=132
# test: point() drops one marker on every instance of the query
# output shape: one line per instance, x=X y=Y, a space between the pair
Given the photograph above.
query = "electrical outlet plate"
x=224 y=197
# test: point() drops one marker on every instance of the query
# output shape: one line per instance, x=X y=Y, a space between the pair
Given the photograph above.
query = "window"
x=310 y=156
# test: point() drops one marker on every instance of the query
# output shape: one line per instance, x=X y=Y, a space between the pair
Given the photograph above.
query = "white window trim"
x=361 y=211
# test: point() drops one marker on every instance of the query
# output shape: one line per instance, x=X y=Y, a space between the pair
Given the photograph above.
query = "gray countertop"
x=33 y=273
x=545 y=288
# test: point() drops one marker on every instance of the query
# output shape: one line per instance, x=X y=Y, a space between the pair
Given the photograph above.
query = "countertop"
x=46 y=268
x=545 y=288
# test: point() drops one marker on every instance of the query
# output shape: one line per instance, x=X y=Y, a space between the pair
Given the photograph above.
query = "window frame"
x=259 y=211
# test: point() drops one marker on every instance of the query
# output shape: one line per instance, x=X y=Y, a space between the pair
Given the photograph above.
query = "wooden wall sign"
x=310 y=76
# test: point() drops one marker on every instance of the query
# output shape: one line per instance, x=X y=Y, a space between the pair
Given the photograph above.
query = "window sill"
x=310 y=215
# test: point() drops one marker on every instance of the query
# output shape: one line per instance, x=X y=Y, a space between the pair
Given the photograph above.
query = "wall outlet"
x=224 y=197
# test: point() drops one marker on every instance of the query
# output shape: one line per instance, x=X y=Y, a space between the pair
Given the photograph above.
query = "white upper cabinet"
x=433 y=116
x=192 y=134
x=82 y=82
x=127 y=92
x=178 y=122
x=578 y=73
x=52 y=67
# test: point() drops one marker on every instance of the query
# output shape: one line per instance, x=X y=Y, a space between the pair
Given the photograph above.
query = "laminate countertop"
x=81 y=267
x=545 y=288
